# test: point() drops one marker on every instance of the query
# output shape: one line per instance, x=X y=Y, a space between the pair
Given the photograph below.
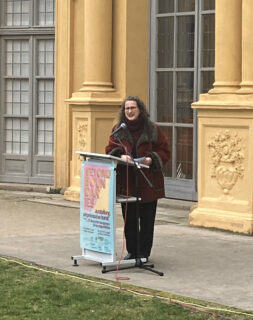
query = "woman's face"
x=131 y=110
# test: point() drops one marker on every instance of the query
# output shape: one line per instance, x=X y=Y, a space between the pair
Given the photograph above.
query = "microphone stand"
x=138 y=260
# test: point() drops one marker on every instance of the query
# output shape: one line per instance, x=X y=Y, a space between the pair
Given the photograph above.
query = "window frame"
x=32 y=161
x=185 y=188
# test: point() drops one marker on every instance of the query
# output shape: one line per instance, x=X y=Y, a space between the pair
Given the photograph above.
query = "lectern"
x=97 y=212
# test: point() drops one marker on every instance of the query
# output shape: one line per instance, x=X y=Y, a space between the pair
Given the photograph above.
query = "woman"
x=141 y=138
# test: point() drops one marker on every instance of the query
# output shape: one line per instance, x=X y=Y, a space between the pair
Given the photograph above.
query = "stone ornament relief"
x=82 y=136
x=227 y=158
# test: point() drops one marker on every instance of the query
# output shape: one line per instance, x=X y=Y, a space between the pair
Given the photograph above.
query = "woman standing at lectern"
x=139 y=137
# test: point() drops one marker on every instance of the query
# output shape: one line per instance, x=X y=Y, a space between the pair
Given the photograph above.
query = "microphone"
x=122 y=126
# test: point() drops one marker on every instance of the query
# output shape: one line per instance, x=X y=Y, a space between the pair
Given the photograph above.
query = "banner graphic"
x=97 y=207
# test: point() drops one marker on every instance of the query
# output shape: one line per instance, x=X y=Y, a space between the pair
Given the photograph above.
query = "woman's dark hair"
x=141 y=105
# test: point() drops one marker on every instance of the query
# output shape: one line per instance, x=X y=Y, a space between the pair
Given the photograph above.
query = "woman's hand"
x=125 y=157
x=147 y=161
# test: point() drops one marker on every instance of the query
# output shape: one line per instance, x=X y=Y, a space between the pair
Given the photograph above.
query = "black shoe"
x=129 y=256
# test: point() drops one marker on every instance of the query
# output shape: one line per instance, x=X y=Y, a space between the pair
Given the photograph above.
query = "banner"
x=97 y=207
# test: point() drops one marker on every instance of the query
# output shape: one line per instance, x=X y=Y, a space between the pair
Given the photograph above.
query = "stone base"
x=220 y=219
x=72 y=194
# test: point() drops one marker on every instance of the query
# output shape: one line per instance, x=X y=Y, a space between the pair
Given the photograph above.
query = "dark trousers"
x=147 y=212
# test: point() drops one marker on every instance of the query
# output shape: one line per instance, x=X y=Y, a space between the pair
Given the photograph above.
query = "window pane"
x=49 y=137
x=185 y=40
x=45 y=97
x=184 y=153
x=208 y=4
x=207 y=80
x=168 y=168
x=17 y=97
x=186 y=5
x=49 y=125
x=165 y=6
x=17 y=12
x=16 y=136
x=16 y=148
x=208 y=45
x=8 y=135
x=165 y=40
x=25 y=20
x=24 y=148
x=45 y=137
x=164 y=96
x=46 y=12
x=17 y=58
x=24 y=125
x=184 y=97
x=45 y=58
x=48 y=149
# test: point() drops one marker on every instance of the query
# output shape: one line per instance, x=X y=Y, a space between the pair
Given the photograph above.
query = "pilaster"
x=227 y=46
x=97 y=45
x=225 y=128
x=62 y=92
x=247 y=47
x=94 y=106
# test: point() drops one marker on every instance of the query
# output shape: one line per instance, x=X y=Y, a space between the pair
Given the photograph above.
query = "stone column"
x=247 y=47
x=227 y=46
x=97 y=45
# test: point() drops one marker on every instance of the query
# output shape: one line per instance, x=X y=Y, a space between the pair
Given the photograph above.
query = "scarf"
x=135 y=127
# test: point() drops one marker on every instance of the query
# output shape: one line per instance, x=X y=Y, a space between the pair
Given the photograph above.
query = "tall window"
x=182 y=67
x=27 y=90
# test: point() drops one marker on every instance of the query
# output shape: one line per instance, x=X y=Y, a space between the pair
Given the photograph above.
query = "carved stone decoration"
x=227 y=158
x=82 y=138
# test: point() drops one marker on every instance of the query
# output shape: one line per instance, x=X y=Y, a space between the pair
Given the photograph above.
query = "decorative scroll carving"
x=227 y=158
x=82 y=138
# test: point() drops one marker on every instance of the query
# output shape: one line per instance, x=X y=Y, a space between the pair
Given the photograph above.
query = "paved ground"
x=211 y=265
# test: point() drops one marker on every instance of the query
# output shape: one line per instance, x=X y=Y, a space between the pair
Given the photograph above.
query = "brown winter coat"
x=151 y=143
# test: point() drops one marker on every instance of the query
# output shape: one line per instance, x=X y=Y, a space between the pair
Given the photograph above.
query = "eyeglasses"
x=130 y=108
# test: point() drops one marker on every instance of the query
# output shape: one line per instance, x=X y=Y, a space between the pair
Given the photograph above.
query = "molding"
x=98 y=98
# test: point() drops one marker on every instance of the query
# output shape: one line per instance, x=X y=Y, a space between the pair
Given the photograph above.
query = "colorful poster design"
x=97 y=207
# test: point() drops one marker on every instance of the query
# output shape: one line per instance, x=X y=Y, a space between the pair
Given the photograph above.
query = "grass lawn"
x=30 y=292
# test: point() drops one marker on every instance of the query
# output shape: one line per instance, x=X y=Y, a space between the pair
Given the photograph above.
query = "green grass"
x=28 y=292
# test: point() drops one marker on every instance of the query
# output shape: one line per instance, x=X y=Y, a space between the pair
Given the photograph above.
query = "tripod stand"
x=138 y=262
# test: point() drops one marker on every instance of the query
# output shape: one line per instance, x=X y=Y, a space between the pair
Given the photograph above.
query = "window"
x=27 y=95
x=182 y=67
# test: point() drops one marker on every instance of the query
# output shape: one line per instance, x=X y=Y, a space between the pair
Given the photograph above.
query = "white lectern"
x=97 y=212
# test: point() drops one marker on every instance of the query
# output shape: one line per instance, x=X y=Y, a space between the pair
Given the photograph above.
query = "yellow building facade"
x=66 y=66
